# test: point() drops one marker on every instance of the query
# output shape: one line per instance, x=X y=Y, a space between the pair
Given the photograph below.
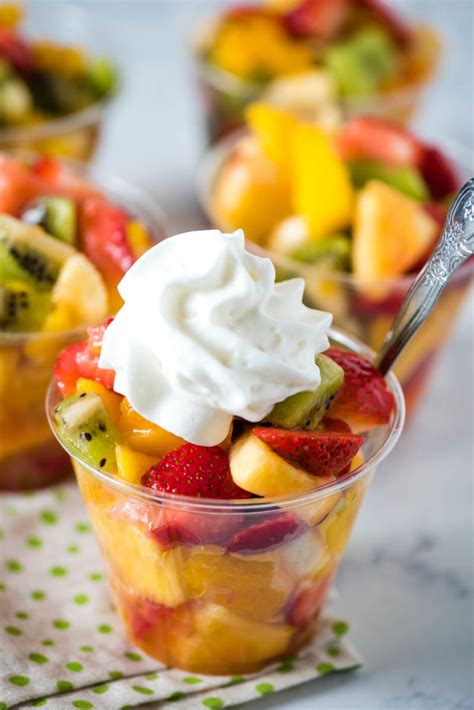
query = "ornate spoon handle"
x=456 y=244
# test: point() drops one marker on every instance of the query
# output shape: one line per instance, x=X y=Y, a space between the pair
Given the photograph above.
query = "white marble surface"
x=407 y=579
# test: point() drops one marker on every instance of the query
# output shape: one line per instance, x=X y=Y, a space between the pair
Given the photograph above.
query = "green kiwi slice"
x=85 y=428
x=306 y=409
x=57 y=216
x=22 y=308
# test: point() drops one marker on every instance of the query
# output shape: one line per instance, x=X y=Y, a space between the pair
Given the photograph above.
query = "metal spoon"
x=455 y=245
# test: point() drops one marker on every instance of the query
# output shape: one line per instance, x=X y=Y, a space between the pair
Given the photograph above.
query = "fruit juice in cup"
x=55 y=86
x=68 y=238
x=220 y=553
x=390 y=186
x=313 y=57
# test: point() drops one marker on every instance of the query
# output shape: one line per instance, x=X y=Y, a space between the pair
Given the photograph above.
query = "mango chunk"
x=273 y=129
x=131 y=465
x=142 y=435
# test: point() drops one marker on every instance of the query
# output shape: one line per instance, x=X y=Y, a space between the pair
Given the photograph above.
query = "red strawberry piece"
x=317 y=18
x=388 y=305
x=198 y=471
x=103 y=236
x=379 y=139
x=66 y=370
x=17 y=185
x=439 y=173
x=336 y=425
x=59 y=178
x=265 y=534
x=364 y=400
x=174 y=534
x=16 y=51
x=322 y=453
x=145 y=615
x=308 y=602
x=398 y=28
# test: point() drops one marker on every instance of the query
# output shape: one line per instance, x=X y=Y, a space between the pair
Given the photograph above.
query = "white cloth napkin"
x=62 y=644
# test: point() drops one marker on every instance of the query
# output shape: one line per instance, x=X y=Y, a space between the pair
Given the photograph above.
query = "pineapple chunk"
x=392 y=232
x=142 y=435
x=78 y=277
x=131 y=465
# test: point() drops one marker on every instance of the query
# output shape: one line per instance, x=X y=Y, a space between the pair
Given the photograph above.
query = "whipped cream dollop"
x=206 y=334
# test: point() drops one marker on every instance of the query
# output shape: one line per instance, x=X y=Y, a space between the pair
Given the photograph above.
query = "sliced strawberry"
x=198 y=471
x=322 y=453
x=336 y=425
x=317 y=18
x=189 y=528
x=82 y=360
x=175 y=534
x=398 y=28
x=145 y=615
x=266 y=534
x=17 y=185
x=364 y=400
x=59 y=178
x=103 y=235
x=308 y=602
x=379 y=139
x=16 y=51
x=439 y=173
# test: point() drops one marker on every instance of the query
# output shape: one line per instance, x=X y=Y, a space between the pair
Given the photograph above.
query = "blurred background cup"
x=29 y=455
x=205 y=605
x=364 y=310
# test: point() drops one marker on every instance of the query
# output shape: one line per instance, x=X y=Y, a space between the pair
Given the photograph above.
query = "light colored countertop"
x=407 y=579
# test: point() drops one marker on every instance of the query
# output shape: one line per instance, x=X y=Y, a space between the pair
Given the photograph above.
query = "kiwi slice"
x=22 y=308
x=29 y=255
x=306 y=409
x=333 y=252
x=403 y=178
x=57 y=216
x=86 y=429
x=363 y=62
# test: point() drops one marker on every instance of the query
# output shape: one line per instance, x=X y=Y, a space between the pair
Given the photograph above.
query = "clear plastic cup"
x=224 y=96
x=228 y=601
x=76 y=135
x=29 y=455
x=366 y=311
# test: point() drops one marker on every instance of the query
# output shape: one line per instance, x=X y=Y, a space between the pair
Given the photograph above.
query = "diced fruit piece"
x=399 y=29
x=323 y=453
x=273 y=129
x=60 y=179
x=138 y=237
x=305 y=556
x=250 y=193
x=306 y=409
x=81 y=289
x=289 y=235
x=66 y=370
x=131 y=465
x=439 y=173
x=314 y=190
x=255 y=586
x=102 y=76
x=375 y=304
x=86 y=430
x=336 y=529
x=15 y=50
x=103 y=229
x=391 y=232
x=364 y=400
x=359 y=65
x=223 y=639
x=331 y=253
x=143 y=435
x=29 y=254
x=321 y=19
x=110 y=399
x=265 y=534
x=23 y=309
x=57 y=216
x=308 y=602
x=404 y=178
x=193 y=470
x=188 y=527
x=381 y=140
x=17 y=185
x=258 y=469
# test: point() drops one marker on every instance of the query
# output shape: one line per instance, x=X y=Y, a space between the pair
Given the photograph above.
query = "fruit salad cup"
x=73 y=234
x=359 y=253
x=53 y=93
x=227 y=584
x=317 y=58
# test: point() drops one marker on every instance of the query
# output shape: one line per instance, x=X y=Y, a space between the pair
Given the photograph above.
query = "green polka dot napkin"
x=61 y=642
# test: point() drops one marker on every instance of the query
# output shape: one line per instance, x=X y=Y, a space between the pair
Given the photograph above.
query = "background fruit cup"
x=74 y=136
x=364 y=310
x=224 y=96
x=29 y=456
x=243 y=582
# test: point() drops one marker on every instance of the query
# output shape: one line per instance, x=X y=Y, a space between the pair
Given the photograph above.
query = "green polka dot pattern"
x=57 y=620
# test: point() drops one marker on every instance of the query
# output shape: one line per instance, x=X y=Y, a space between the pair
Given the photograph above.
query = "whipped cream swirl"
x=206 y=334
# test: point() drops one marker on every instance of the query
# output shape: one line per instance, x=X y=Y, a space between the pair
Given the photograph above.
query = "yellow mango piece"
x=391 y=232
x=250 y=193
x=255 y=586
x=60 y=58
x=11 y=14
x=138 y=237
x=110 y=399
x=273 y=129
x=142 y=435
x=322 y=190
x=131 y=465
x=223 y=641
